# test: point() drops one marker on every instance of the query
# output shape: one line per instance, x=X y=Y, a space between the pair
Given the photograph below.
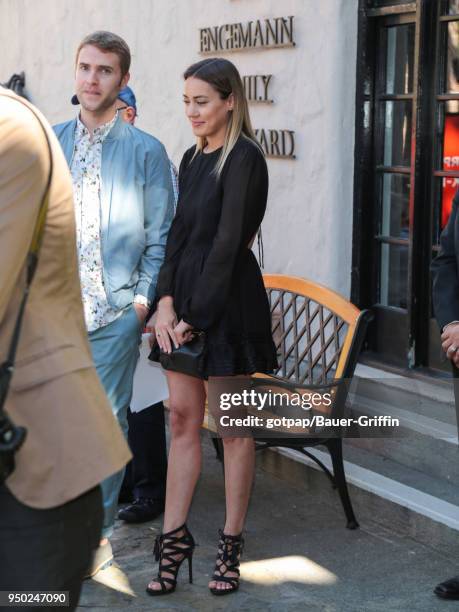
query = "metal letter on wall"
x=277 y=143
x=256 y=87
x=260 y=34
x=268 y=33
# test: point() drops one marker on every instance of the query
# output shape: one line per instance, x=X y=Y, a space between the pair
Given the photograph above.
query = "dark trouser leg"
x=126 y=488
x=48 y=549
x=147 y=439
x=456 y=393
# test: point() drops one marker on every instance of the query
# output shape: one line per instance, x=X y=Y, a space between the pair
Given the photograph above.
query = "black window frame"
x=424 y=14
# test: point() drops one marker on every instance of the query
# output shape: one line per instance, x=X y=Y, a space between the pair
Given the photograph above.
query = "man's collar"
x=102 y=131
x=117 y=130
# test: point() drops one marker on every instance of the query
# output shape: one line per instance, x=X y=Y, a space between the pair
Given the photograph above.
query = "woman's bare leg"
x=186 y=406
x=239 y=455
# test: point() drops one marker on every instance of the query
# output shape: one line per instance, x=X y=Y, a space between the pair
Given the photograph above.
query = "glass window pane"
x=395 y=206
x=450 y=159
x=397 y=133
x=452 y=7
x=399 y=59
x=449 y=188
x=452 y=61
x=445 y=190
x=393 y=273
x=449 y=185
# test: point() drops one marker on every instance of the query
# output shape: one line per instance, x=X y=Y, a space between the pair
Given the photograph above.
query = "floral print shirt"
x=85 y=170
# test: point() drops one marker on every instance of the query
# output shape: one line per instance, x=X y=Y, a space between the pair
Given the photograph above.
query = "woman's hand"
x=164 y=321
x=183 y=332
x=152 y=338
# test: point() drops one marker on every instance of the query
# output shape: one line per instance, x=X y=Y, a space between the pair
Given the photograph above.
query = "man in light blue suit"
x=124 y=204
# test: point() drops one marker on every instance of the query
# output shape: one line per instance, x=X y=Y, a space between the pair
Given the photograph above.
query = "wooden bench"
x=318 y=335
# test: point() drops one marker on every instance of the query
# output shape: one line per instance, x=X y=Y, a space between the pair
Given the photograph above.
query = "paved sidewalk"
x=299 y=556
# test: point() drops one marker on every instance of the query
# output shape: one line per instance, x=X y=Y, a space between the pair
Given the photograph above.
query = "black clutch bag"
x=186 y=359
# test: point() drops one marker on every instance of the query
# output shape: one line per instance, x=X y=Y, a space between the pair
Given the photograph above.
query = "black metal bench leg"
x=335 y=448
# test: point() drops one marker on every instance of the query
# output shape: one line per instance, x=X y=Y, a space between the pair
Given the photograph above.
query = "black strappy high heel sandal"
x=228 y=560
x=167 y=546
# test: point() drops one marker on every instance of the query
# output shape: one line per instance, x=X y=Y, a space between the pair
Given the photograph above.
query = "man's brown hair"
x=110 y=43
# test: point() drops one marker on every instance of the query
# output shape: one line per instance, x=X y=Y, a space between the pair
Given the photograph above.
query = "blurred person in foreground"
x=50 y=506
x=445 y=294
x=124 y=204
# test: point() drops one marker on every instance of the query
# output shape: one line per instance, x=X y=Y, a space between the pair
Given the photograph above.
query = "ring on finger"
x=452 y=348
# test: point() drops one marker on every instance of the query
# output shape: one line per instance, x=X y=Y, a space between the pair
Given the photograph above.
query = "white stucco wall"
x=308 y=227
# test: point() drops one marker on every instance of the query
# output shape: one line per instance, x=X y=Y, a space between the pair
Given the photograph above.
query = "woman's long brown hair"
x=224 y=77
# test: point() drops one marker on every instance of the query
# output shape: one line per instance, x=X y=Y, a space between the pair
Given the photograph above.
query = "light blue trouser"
x=115 y=350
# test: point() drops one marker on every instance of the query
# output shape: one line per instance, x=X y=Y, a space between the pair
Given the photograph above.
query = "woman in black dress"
x=210 y=281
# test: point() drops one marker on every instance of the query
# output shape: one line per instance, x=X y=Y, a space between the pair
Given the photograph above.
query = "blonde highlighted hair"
x=224 y=77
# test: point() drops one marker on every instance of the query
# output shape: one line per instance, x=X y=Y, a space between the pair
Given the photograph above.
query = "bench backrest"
x=317 y=332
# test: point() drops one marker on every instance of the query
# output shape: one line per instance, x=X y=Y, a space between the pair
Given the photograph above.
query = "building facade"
x=355 y=103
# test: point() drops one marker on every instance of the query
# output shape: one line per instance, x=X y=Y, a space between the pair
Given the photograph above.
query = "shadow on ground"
x=298 y=556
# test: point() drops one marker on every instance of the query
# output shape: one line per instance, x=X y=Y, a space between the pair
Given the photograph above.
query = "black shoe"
x=142 y=509
x=228 y=560
x=171 y=550
x=448 y=589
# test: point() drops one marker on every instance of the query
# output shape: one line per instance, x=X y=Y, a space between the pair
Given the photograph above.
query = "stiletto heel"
x=228 y=560
x=167 y=546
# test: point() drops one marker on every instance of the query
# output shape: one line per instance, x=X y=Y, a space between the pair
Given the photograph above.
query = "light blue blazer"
x=137 y=207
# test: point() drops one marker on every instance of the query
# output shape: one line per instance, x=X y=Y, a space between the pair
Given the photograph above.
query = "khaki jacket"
x=73 y=441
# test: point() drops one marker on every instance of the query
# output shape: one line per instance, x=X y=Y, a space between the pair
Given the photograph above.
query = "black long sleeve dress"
x=209 y=269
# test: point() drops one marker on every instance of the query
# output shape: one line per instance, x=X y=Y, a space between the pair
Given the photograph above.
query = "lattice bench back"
x=313 y=330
